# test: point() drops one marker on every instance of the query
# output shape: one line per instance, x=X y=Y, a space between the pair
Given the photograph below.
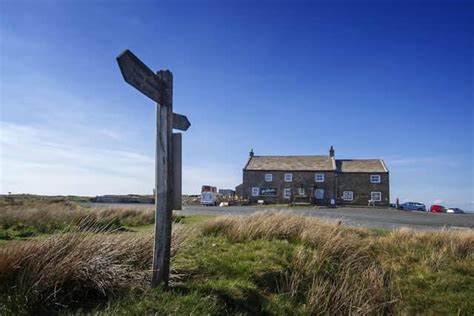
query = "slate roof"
x=361 y=165
x=291 y=163
x=314 y=163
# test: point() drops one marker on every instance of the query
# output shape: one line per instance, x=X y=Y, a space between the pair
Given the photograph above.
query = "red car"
x=437 y=208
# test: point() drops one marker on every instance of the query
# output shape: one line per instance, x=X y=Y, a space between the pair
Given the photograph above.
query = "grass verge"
x=266 y=263
x=75 y=270
x=25 y=220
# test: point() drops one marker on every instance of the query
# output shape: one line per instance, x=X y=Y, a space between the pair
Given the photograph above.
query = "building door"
x=319 y=194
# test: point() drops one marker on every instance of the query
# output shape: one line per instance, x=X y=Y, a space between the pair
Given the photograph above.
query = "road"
x=366 y=217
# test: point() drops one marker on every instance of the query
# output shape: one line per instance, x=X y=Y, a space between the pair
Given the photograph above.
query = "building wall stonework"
x=361 y=187
x=333 y=185
x=305 y=180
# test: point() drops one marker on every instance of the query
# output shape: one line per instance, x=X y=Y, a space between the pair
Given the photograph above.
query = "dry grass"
x=310 y=266
x=433 y=270
x=442 y=245
x=338 y=269
x=333 y=271
x=47 y=217
x=75 y=269
x=280 y=225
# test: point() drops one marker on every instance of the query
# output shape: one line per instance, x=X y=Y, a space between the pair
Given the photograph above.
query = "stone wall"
x=301 y=179
x=360 y=185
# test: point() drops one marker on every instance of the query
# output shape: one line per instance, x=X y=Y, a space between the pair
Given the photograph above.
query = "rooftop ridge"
x=291 y=156
x=358 y=159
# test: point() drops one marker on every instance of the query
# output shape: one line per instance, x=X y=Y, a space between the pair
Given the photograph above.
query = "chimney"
x=251 y=153
x=331 y=152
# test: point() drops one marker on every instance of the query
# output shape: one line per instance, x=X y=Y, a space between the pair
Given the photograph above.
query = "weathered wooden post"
x=159 y=87
x=163 y=180
x=177 y=168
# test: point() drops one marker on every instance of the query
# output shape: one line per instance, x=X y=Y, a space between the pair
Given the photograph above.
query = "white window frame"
x=316 y=196
x=301 y=191
x=255 y=191
x=375 y=176
x=372 y=196
x=320 y=176
x=288 y=177
x=348 y=195
x=268 y=177
x=287 y=193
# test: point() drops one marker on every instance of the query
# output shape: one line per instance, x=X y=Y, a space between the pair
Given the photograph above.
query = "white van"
x=209 y=198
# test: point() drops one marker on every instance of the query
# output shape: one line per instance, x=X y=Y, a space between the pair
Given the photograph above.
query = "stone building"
x=227 y=192
x=319 y=180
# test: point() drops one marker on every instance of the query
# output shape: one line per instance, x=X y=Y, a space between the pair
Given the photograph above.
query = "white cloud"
x=420 y=162
x=38 y=160
x=44 y=161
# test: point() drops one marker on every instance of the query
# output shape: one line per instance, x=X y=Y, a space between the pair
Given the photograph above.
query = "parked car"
x=435 y=208
x=412 y=206
x=454 y=210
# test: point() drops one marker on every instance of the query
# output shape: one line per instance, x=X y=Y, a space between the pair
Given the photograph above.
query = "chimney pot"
x=251 y=153
x=331 y=151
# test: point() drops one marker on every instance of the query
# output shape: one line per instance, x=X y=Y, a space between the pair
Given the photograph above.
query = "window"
x=374 y=178
x=301 y=191
x=376 y=196
x=287 y=193
x=319 y=194
x=288 y=177
x=348 y=195
x=268 y=177
x=255 y=191
x=319 y=177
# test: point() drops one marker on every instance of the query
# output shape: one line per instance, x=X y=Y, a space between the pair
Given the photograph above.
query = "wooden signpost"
x=159 y=88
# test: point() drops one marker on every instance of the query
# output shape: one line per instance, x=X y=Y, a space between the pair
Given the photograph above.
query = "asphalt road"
x=366 y=217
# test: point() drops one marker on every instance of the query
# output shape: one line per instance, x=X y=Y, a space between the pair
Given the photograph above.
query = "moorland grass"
x=432 y=271
x=45 y=217
x=268 y=263
x=280 y=264
x=75 y=270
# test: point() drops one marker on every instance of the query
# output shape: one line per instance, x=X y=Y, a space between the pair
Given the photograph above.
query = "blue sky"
x=379 y=79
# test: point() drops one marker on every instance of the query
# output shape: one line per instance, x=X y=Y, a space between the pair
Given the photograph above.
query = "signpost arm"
x=163 y=181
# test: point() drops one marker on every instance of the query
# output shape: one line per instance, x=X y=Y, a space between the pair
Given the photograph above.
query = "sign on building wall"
x=268 y=191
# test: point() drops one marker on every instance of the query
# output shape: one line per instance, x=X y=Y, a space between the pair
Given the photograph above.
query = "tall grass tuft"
x=438 y=247
x=75 y=269
x=333 y=271
x=48 y=217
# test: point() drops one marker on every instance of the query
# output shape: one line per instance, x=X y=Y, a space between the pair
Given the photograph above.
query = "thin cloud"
x=44 y=161
x=38 y=160
x=420 y=161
